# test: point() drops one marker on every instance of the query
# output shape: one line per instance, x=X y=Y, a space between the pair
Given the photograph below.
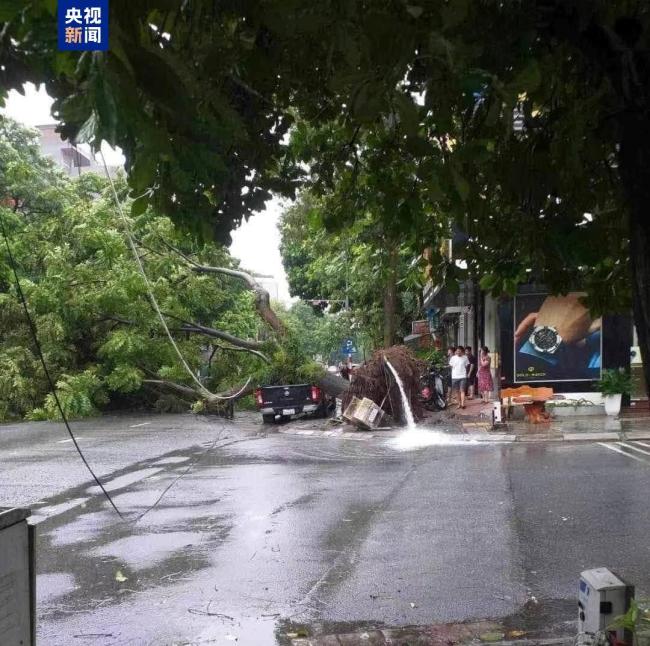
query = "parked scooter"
x=433 y=391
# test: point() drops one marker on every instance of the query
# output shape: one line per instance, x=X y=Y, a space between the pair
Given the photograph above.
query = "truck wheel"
x=268 y=419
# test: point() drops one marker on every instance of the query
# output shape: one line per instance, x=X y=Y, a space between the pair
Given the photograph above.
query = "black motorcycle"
x=433 y=389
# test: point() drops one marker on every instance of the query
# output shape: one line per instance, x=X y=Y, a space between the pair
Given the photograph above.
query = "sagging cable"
x=152 y=298
x=50 y=381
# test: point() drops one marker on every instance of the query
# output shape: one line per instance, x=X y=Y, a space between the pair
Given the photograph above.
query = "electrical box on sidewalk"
x=496 y=412
x=602 y=596
x=17 y=589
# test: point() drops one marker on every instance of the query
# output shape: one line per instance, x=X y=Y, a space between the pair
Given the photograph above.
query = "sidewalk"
x=475 y=633
x=476 y=420
x=571 y=429
x=476 y=410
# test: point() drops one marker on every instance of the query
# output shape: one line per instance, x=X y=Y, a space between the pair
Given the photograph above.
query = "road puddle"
x=145 y=551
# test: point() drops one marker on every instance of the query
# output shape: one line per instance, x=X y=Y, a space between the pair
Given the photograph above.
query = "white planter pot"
x=612 y=404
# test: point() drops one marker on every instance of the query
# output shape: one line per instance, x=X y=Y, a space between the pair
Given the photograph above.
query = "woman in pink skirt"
x=485 y=383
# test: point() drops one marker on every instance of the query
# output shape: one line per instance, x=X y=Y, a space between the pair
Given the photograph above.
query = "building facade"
x=74 y=159
x=537 y=338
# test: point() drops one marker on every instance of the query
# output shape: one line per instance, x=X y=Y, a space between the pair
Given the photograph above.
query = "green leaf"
x=50 y=6
x=419 y=147
x=139 y=205
x=528 y=79
x=461 y=185
x=369 y=102
x=409 y=116
x=9 y=9
x=88 y=130
x=143 y=172
x=494 y=110
x=414 y=10
x=488 y=282
x=453 y=13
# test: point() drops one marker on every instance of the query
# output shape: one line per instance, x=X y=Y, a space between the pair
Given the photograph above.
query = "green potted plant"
x=613 y=385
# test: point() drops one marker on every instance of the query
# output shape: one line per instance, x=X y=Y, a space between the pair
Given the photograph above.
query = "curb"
x=483 y=436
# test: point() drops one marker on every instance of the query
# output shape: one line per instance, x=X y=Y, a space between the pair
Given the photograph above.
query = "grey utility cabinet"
x=17 y=590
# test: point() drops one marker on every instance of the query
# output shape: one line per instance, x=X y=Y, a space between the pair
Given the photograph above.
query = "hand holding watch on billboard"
x=560 y=320
x=556 y=339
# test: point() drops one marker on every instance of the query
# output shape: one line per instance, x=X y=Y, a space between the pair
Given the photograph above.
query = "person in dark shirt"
x=346 y=370
x=471 y=371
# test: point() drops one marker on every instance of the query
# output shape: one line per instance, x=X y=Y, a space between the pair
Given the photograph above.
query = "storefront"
x=454 y=317
x=536 y=338
x=547 y=340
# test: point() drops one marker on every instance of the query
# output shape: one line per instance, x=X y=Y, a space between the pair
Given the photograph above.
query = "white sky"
x=256 y=243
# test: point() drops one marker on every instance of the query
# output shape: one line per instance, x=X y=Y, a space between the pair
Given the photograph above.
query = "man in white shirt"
x=459 y=363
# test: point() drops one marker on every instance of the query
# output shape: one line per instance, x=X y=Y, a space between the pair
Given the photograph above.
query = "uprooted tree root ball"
x=375 y=381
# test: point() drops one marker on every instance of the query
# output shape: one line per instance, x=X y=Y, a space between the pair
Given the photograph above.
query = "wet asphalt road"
x=261 y=533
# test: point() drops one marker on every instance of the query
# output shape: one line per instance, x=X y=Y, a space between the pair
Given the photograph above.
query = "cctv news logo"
x=83 y=25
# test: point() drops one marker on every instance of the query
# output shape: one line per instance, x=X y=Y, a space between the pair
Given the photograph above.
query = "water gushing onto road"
x=406 y=404
x=414 y=437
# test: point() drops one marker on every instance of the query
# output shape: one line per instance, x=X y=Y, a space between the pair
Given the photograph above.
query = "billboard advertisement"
x=556 y=339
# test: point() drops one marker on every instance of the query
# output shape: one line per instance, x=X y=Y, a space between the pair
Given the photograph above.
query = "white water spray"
x=414 y=437
x=406 y=404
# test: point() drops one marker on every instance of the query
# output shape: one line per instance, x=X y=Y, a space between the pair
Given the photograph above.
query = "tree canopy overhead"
x=101 y=339
x=526 y=115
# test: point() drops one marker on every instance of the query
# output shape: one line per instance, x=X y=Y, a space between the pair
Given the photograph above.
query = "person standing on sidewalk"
x=471 y=372
x=459 y=363
x=485 y=383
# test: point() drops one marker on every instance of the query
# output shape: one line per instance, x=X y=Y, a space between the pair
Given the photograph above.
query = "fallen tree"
x=104 y=344
x=222 y=402
x=375 y=381
x=103 y=341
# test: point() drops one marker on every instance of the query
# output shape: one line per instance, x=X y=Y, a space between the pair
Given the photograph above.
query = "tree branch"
x=262 y=298
x=115 y=320
x=226 y=348
x=221 y=399
x=185 y=390
x=188 y=326
x=248 y=89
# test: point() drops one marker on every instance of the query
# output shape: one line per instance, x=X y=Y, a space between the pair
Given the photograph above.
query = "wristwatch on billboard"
x=545 y=339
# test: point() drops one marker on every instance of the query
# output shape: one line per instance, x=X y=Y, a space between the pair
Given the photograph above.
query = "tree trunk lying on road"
x=333 y=385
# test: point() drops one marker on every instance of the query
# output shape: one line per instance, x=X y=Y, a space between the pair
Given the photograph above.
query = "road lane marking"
x=125 y=480
x=643 y=444
x=634 y=448
x=50 y=511
x=171 y=460
x=136 y=425
x=70 y=440
x=625 y=453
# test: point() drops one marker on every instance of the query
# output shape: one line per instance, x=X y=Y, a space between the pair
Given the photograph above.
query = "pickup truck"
x=283 y=402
